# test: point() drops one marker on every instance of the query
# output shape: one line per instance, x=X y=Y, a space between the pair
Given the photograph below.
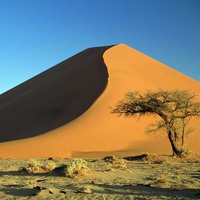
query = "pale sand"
x=152 y=178
x=97 y=132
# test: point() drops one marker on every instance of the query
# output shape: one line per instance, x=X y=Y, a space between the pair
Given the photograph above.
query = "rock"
x=85 y=190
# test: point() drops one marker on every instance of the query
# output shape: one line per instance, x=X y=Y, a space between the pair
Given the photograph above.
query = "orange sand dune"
x=96 y=132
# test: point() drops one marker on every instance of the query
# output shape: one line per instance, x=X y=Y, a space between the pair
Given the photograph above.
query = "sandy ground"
x=151 y=177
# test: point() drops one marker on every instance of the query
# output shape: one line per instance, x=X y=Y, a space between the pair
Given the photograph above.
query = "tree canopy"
x=175 y=109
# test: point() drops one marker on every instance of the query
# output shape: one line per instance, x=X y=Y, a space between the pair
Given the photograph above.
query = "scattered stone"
x=41 y=180
x=63 y=191
x=110 y=159
x=85 y=190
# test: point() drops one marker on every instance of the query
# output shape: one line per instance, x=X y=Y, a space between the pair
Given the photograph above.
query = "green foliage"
x=74 y=167
x=175 y=109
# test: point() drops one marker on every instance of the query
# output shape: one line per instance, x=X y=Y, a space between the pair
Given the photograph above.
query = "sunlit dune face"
x=97 y=132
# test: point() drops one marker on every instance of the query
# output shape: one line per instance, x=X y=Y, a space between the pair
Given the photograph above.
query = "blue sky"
x=37 y=34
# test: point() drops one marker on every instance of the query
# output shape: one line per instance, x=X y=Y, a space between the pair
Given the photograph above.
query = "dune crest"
x=97 y=132
x=54 y=97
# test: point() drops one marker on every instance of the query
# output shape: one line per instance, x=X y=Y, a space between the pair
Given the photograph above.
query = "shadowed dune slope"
x=97 y=132
x=54 y=97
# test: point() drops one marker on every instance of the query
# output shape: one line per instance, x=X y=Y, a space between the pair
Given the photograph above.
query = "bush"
x=116 y=163
x=49 y=167
x=74 y=167
x=36 y=167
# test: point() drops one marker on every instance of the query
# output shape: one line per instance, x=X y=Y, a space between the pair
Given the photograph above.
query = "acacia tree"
x=175 y=109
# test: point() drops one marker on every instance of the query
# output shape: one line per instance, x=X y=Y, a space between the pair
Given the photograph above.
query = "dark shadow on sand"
x=54 y=97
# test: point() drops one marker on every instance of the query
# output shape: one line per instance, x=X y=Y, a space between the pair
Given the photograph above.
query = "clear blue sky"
x=37 y=34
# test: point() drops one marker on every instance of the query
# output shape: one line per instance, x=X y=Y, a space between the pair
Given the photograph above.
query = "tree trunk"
x=176 y=145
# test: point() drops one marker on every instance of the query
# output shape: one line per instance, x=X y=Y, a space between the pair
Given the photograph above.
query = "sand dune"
x=54 y=97
x=93 y=131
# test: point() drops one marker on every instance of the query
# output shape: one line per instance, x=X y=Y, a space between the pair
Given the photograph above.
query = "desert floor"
x=139 y=177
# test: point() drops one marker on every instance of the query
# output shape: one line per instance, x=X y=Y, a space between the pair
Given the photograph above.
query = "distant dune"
x=65 y=111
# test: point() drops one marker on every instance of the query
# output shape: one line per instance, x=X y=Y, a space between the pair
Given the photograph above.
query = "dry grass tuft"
x=34 y=166
x=159 y=181
x=115 y=163
x=75 y=167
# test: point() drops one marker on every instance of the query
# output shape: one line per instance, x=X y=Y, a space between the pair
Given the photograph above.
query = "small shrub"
x=49 y=166
x=122 y=167
x=32 y=167
x=36 y=167
x=159 y=181
x=74 y=167
x=115 y=163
